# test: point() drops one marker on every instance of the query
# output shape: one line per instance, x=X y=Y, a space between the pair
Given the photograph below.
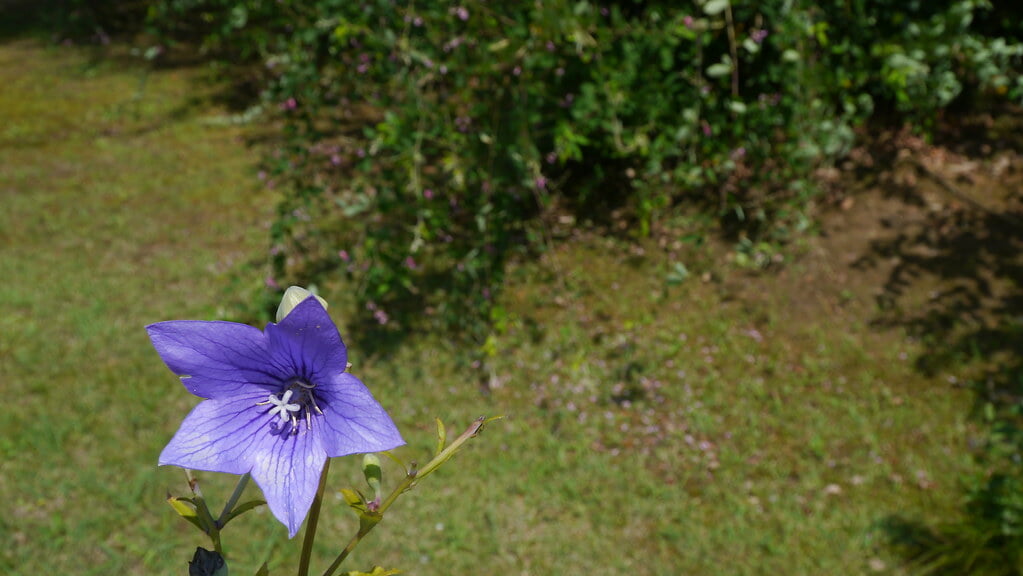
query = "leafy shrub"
x=425 y=144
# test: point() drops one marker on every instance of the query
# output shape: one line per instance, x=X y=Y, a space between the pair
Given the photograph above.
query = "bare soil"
x=919 y=236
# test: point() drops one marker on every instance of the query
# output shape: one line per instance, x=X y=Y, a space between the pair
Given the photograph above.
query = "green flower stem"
x=410 y=479
x=213 y=530
x=238 y=489
x=365 y=528
x=314 y=518
x=348 y=550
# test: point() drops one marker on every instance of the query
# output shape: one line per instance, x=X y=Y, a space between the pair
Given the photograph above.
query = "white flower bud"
x=292 y=297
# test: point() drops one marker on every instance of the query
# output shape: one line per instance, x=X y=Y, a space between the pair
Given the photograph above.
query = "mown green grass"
x=649 y=429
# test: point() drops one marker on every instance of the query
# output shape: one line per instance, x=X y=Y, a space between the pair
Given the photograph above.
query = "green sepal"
x=373 y=473
x=241 y=509
x=186 y=509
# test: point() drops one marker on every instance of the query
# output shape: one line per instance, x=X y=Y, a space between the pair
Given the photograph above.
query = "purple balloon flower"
x=278 y=403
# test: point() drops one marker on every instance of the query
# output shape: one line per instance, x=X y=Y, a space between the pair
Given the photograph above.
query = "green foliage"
x=166 y=194
x=424 y=143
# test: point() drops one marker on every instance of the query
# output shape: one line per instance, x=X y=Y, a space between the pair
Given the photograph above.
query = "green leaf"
x=241 y=509
x=715 y=7
x=471 y=432
x=442 y=436
x=354 y=499
x=377 y=571
x=737 y=107
x=185 y=509
x=720 y=69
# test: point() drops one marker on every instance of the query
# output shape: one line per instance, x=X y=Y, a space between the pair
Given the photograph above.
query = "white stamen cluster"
x=287 y=410
x=282 y=407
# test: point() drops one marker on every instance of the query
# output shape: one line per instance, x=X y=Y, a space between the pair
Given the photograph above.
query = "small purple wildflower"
x=277 y=403
x=428 y=194
x=462 y=13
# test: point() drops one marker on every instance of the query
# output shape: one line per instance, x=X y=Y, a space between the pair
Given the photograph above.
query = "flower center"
x=295 y=402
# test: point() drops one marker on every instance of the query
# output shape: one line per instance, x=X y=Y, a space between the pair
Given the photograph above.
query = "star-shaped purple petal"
x=278 y=403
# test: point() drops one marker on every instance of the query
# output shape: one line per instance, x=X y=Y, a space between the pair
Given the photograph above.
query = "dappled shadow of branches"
x=954 y=284
x=954 y=265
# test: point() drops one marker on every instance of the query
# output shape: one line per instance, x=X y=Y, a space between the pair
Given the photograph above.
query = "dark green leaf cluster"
x=426 y=144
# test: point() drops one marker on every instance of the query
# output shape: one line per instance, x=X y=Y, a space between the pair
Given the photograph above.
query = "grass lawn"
x=732 y=424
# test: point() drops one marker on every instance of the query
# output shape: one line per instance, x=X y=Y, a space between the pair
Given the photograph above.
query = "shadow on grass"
x=954 y=285
x=973 y=546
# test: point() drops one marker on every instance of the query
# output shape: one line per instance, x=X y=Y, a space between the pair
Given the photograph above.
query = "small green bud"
x=292 y=297
x=374 y=475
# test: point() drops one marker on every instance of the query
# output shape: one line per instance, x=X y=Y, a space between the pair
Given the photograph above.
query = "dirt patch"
x=920 y=240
